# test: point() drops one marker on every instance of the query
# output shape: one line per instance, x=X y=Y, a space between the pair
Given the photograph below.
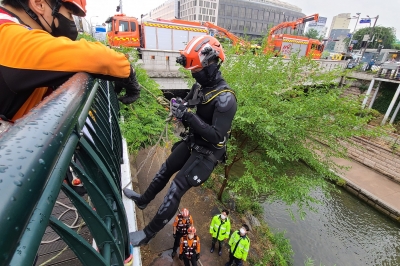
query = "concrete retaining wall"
x=377 y=157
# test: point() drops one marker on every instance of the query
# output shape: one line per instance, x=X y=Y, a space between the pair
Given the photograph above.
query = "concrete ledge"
x=373 y=201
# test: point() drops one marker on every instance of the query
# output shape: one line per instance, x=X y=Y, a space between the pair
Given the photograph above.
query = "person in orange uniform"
x=189 y=249
x=180 y=226
x=39 y=53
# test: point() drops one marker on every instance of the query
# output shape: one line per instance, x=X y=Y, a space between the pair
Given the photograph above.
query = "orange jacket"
x=188 y=245
x=31 y=59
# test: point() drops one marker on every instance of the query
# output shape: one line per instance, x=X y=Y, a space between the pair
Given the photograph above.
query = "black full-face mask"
x=207 y=76
x=66 y=27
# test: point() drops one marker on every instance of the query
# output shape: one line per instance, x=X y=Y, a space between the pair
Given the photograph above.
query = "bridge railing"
x=75 y=129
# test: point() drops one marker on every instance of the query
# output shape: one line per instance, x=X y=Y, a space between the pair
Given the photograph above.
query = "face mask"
x=205 y=77
x=190 y=236
x=223 y=217
x=66 y=27
x=242 y=231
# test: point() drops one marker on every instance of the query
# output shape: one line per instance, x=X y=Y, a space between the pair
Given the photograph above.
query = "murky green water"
x=345 y=231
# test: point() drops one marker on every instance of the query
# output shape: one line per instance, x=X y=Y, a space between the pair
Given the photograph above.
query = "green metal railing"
x=76 y=128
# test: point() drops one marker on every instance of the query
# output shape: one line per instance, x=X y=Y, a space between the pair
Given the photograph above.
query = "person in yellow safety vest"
x=220 y=228
x=180 y=226
x=189 y=249
x=240 y=245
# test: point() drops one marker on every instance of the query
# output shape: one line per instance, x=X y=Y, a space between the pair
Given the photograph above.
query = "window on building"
x=247 y=26
x=242 y=12
x=241 y=25
x=253 y=26
x=276 y=18
x=206 y=18
x=228 y=11
x=254 y=15
x=194 y=2
x=265 y=27
x=235 y=12
x=210 y=11
x=207 y=4
x=221 y=10
x=214 y=5
x=234 y=24
x=213 y=19
x=123 y=26
x=221 y=22
x=201 y=3
x=204 y=10
x=260 y=14
x=194 y=17
x=259 y=27
x=266 y=16
x=200 y=17
x=248 y=12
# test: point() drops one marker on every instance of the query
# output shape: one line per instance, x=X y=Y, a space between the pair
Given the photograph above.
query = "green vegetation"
x=383 y=36
x=312 y=34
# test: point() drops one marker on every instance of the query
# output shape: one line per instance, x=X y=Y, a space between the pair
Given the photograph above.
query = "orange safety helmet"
x=199 y=51
x=78 y=7
x=185 y=212
x=191 y=230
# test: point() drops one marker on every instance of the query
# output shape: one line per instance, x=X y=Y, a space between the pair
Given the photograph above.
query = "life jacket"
x=183 y=225
x=189 y=251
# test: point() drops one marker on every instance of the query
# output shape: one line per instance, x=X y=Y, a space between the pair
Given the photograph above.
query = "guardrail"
x=74 y=129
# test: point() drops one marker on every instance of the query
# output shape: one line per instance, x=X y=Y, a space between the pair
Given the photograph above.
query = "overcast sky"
x=388 y=10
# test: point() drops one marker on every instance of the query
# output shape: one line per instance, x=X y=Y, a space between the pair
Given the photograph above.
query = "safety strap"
x=237 y=243
x=198 y=96
x=204 y=151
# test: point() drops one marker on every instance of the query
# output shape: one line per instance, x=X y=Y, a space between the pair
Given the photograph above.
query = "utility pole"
x=120 y=5
x=369 y=37
x=351 y=38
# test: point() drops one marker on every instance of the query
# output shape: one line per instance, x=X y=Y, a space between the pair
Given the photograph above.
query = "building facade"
x=319 y=26
x=167 y=10
x=338 y=31
x=252 y=18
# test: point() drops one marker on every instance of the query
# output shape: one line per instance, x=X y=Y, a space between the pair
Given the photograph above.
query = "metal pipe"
x=395 y=114
x=374 y=97
x=396 y=95
x=371 y=85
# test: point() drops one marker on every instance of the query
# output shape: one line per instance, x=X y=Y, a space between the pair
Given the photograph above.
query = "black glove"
x=181 y=256
x=197 y=256
x=178 y=110
x=174 y=235
x=132 y=88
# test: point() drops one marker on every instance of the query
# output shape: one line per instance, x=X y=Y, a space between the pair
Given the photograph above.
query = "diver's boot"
x=142 y=237
x=135 y=197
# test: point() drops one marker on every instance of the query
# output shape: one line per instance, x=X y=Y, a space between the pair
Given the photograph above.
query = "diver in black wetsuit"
x=204 y=142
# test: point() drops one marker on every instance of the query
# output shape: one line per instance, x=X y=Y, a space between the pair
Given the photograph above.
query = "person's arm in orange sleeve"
x=190 y=220
x=45 y=52
x=181 y=249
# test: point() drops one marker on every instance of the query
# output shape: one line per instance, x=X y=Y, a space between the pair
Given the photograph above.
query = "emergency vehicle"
x=151 y=34
x=286 y=44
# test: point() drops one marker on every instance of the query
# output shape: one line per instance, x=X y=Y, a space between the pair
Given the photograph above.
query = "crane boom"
x=292 y=24
x=235 y=39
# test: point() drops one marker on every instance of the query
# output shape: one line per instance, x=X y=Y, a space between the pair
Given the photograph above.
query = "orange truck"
x=151 y=34
x=286 y=44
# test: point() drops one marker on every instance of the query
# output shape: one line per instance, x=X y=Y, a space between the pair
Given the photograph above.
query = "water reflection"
x=345 y=231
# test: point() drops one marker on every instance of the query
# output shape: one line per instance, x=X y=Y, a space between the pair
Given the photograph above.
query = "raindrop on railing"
x=3 y=169
x=22 y=157
x=29 y=151
x=13 y=199
x=41 y=161
x=18 y=183
x=21 y=174
x=39 y=145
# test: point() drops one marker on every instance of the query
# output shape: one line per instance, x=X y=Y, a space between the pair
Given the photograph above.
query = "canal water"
x=344 y=231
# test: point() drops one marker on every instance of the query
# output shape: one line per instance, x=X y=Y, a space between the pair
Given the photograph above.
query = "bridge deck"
x=57 y=252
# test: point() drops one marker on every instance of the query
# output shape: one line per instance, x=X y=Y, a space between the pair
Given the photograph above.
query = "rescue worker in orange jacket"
x=180 y=226
x=38 y=53
x=189 y=249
